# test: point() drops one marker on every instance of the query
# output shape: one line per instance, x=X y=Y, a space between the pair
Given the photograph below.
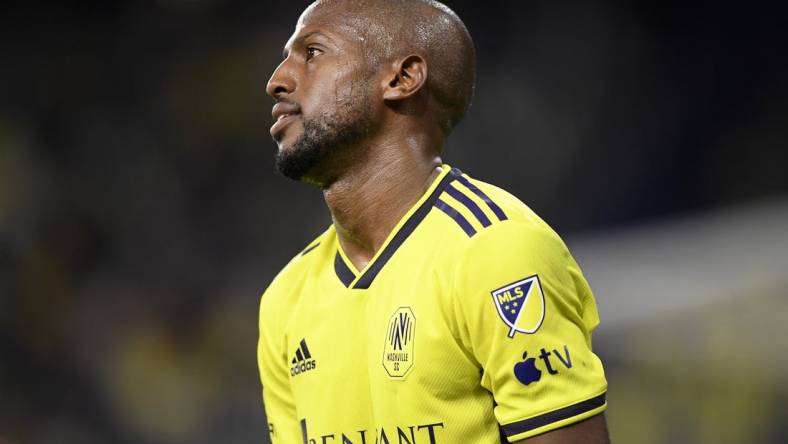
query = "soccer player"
x=436 y=308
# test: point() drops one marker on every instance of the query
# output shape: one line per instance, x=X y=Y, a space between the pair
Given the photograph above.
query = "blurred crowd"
x=141 y=218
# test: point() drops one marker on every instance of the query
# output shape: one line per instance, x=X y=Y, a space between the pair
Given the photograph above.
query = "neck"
x=368 y=200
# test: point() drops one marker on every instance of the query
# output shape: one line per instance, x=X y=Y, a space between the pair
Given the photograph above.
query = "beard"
x=328 y=136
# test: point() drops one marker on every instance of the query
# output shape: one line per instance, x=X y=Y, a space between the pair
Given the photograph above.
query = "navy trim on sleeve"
x=529 y=424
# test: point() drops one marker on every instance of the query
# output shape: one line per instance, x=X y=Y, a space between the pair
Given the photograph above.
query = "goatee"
x=321 y=139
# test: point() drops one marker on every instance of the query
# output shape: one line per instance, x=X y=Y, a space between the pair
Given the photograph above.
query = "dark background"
x=141 y=218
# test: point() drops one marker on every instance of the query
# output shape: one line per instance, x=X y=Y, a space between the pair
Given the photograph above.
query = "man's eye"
x=311 y=52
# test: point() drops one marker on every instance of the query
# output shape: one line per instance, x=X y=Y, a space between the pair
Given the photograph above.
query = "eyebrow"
x=301 y=39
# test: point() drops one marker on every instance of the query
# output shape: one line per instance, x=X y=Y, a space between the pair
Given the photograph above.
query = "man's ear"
x=408 y=77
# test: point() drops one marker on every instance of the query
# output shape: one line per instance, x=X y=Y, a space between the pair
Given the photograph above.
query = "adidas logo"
x=302 y=362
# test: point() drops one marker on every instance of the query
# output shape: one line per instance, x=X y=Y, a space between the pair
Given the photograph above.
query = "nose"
x=281 y=82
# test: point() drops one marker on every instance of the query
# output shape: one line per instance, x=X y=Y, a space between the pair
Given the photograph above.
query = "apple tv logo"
x=526 y=371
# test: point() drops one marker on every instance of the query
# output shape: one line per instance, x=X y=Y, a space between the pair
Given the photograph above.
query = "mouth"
x=283 y=113
x=281 y=123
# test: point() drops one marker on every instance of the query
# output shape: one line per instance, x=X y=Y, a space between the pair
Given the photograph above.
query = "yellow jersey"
x=471 y=324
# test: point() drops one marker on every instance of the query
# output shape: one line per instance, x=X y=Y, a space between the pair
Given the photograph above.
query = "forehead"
x=337 y=23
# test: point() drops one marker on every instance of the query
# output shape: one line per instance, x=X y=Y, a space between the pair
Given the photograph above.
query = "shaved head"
x=360 y=73
x=390 y=30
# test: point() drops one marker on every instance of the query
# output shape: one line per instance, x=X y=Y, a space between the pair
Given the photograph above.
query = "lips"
x=283 y=113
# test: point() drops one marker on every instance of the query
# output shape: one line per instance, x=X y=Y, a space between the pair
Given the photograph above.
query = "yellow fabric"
x=425 y=354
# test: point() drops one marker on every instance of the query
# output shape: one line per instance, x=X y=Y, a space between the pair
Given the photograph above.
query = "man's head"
x=356 y=68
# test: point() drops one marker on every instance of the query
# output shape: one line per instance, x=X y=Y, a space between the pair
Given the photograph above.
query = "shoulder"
x=512 y=207
x=515 y=247
x=280 y=291
x=496 y=270
x=504 y=227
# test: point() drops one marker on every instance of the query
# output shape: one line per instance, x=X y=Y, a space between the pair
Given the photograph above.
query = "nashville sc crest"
x=398 y=347
x=521 y=305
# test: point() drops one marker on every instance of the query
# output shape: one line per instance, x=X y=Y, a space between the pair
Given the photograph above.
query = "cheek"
x=319 y=96
x=346 y=88
x=336 y=91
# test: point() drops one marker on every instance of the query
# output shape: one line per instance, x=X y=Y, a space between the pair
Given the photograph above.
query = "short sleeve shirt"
x=472 y=323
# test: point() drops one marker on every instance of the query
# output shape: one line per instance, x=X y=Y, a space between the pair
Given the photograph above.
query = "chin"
x=282 y=146
x=286 y=142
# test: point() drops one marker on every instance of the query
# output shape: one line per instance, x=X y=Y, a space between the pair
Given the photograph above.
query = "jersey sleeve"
x=278 y=399
x=526 y=315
